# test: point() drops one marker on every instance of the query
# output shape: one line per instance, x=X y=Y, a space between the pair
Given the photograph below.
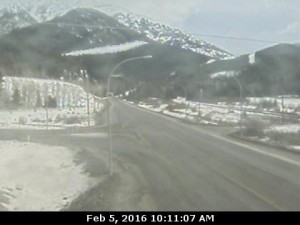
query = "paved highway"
x=189 y=168
x=161 y=163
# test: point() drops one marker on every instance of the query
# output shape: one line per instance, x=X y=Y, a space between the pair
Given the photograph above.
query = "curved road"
x=183 y=167
x=161 y=163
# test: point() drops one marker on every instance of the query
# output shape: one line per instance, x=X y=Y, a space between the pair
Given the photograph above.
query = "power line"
x=235 y=38
x=127 y=28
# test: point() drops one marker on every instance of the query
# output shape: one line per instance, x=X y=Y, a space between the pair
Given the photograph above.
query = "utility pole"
x=86 y=77
x=108 y=95
x=282 y=108
x=46 y=106
x=198 y=105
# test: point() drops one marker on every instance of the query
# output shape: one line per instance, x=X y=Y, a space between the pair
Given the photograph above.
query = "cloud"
x=168 y=11
x=256 y=19
x=292 y=28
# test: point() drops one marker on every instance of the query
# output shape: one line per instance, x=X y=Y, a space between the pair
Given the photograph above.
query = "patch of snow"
x=174 y=114
x=71 y=101
x=210 y=61
x=39 y=177
x=251 y=58
x=291 y=128
x=224 y=74
x=171 y=36
x=90 y=135
x=108 y=49
x=296 y=147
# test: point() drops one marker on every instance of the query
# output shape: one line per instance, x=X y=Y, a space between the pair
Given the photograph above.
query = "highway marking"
x=221 y=138
x=258 y=195
x=255 y=149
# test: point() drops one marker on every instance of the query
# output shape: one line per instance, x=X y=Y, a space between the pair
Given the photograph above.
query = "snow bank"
x=39 y=177
x=36 y=119
x=152 y=108
x=291 y=128
x=224 y=74
x=174 y=114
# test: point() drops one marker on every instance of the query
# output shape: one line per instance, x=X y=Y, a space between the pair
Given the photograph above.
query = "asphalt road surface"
x=189 y=168
x=161 y=163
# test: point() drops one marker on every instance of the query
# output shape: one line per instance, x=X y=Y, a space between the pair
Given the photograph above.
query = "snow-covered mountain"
x=14 y=17
x=170 y=36
x=24 y=15
x=49 y=11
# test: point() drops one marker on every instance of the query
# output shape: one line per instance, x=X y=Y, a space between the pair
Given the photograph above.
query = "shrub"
x=287 y=138
x=73 y=120
x=171 y=107
x=254 y=128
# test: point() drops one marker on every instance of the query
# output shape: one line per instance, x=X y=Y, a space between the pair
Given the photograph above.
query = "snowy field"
x=228 y=112
x=36 y=119
x=224 y=113
x=27 y=174
x=71 y=103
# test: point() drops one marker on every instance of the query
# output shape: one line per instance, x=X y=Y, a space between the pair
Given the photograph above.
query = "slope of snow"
x=39 y=177
x=71 y=101
x=171 y=36
x=14 y=17
x=107 y=49
x=45 y=11
x=66 y=94
x=48 y=11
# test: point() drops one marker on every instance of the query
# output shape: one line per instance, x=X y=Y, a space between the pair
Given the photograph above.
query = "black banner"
x=53 y=218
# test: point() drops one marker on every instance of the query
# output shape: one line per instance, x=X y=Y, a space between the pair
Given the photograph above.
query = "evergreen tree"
x=51 y=102
x=38 y=99
x=16 y=98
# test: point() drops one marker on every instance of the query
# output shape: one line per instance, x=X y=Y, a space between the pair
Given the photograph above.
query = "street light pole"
x=88 y=97
x=86 y=77
x=198 y=105
x=108 y=106
x=185 y=97
x=241 y=104
x=183 y=88
x=186 y=105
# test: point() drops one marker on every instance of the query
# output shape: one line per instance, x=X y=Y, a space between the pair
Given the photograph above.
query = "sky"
x=267 y=22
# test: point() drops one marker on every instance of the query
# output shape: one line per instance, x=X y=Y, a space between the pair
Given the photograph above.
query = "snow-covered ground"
x=152 y=108
x=71 y=100
x=229 y=113
x=211 y=113
x=224 y=74
x=289 y=128
x=291 y=104
x=34 y=92
x=36 y=119
x=28 y=172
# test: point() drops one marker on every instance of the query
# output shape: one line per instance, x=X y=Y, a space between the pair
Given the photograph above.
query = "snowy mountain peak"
x=49 y=11
x=14 y=17
x=171 y=36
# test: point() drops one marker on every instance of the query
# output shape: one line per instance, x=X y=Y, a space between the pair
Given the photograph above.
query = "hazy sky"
x=270 y=20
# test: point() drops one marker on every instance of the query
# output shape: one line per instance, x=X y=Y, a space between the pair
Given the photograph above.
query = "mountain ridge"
x=174 y=37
